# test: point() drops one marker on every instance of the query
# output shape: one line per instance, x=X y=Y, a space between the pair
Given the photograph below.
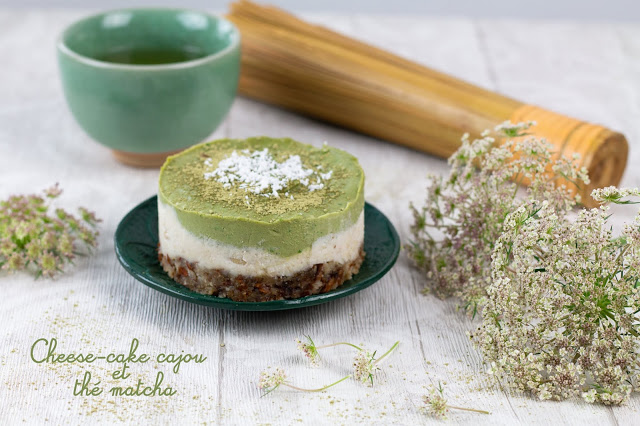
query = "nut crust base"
x=320 y=278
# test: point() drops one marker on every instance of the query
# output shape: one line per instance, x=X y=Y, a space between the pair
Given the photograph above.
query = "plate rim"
x=273 y=305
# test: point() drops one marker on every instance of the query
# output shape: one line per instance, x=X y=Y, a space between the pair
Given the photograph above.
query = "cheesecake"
x=261 y=219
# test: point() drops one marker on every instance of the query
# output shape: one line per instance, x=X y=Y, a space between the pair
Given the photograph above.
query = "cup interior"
x=149 y=36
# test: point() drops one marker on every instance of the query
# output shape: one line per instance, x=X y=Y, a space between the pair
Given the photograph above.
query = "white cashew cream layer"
x=176 y=241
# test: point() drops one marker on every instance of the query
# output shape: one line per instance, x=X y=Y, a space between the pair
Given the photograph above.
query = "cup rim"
x=63 y=48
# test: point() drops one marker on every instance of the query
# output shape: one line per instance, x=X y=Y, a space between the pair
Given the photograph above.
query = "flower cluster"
x=438 y=406
x=453 y=234
x=32 y=238
x=309 y=350
x=365 y=367
x=436 y=402
x=561 y=318
x=271 y=380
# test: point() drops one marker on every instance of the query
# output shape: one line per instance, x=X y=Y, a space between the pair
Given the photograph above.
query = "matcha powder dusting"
x=261 y=178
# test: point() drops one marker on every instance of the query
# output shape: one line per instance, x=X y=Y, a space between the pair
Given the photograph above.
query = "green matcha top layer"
x=276 y=194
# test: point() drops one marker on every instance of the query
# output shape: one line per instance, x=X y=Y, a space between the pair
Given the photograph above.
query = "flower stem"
x=453 y=407
x=395 y=345
x=316 y=390
x=339 y=343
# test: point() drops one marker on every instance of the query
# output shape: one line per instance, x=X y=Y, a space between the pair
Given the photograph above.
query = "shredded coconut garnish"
x=326 y=176
x=257 y=172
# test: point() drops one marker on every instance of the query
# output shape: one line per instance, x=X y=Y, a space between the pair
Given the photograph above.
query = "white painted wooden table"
x=588 y=70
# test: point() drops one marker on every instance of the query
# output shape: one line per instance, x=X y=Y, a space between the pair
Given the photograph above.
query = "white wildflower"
x=454 y=234
x=560 y=319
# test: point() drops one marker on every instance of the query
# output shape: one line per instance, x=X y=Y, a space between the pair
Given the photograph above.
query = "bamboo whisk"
x=318 y=72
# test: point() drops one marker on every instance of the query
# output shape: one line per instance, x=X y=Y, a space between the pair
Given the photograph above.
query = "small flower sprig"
x=33 y=239
x=310 y=350
x=365 y=364
x=562 y=314
x=365 y=367
x=270 y=381
x=438 y=406
x=454 y=233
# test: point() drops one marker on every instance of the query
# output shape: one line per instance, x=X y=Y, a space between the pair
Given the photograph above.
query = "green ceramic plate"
x=136 y=242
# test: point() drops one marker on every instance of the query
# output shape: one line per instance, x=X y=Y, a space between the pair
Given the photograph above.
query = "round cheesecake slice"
x=261 y=219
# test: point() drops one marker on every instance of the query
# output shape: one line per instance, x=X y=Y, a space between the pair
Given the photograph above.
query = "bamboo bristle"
x=308 y=68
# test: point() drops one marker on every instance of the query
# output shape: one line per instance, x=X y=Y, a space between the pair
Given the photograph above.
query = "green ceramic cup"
x=149 y=82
